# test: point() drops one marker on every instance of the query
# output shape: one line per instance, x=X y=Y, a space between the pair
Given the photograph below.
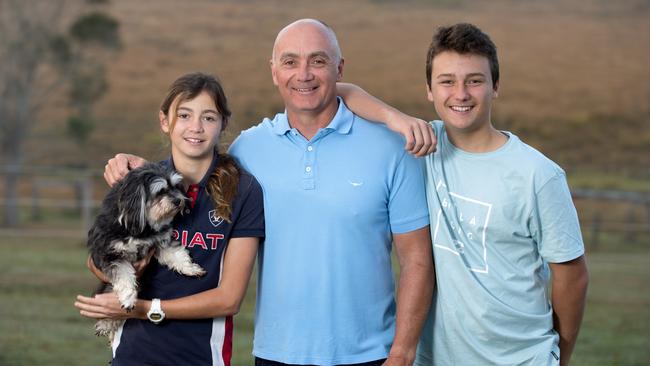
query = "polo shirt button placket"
x=308 y=174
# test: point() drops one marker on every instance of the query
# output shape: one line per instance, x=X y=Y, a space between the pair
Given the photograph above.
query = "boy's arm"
x=569 y=293
x=420 y=138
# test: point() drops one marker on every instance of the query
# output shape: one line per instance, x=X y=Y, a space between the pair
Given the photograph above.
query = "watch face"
x=155 y=316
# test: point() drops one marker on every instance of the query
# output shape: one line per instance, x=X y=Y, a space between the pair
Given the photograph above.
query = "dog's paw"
x=128 y=303
x=193 y=270
x=105 y=328
x=102 y=332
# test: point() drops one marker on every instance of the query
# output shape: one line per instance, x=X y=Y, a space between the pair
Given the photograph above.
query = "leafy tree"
x=43 y=53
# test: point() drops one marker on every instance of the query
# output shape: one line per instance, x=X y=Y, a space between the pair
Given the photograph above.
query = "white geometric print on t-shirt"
x=461 y=226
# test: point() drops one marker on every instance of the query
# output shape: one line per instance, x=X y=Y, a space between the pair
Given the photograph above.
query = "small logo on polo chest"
x=214 y=219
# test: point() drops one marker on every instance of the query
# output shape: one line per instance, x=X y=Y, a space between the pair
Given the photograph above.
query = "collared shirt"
x=205 y=236
x=332 y=203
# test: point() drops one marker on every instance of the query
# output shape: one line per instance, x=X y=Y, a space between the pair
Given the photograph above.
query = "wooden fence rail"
x=76 y=189
x=631 y=227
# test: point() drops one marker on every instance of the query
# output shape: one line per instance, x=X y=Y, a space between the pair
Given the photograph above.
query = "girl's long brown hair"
x=224 y=180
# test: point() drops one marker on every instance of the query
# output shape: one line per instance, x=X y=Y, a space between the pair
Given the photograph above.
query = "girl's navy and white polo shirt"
x=198 y=341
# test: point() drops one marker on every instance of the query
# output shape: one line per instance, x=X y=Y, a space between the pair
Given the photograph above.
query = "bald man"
x=338 y=191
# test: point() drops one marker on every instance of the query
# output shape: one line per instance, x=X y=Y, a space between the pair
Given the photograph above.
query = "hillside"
x=574 y=73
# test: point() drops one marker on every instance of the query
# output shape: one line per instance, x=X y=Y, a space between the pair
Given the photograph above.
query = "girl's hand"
x=99 y=274
x=140 y=265
x=103 y=306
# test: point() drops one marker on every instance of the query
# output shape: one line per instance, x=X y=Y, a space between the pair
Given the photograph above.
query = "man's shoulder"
x=255 y=131
x=253 y=136
x=377 y=133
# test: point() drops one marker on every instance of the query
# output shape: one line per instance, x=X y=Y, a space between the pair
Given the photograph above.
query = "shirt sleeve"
x=407 y=206
x=235 y=150
x=250 y=221
x=554 y=224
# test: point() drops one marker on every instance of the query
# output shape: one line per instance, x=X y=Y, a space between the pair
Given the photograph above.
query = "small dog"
x=134 y=218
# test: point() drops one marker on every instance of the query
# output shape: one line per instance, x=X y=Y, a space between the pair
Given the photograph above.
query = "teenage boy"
x=502 y=223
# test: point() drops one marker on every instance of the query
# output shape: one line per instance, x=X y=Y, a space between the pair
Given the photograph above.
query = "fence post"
x=630 y=230
x=86 y=202
x=595 y=231
x=36 y=198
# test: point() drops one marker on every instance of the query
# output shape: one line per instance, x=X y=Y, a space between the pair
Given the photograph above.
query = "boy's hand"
x=419 y=135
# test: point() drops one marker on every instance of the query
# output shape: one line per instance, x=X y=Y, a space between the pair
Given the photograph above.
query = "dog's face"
x=150 y=195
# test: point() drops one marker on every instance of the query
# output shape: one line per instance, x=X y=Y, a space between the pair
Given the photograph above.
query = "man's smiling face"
x=305 y=67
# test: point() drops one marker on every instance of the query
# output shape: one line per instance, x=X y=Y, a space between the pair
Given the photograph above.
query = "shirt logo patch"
x=214 y=219
x=461 y=227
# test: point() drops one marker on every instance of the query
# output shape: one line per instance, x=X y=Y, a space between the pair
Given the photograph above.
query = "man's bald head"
x=312 y=25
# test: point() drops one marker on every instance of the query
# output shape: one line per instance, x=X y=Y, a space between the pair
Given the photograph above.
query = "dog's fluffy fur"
x=135 y=218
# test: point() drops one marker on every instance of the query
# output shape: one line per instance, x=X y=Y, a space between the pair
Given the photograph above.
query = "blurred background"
x=82 y=79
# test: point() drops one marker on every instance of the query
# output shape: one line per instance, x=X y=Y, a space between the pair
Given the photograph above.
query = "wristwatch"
x=155 y=314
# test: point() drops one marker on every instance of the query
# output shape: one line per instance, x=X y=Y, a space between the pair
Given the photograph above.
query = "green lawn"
x=39 y=279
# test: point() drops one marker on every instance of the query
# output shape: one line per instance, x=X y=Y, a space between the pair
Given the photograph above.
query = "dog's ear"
x=131 y=203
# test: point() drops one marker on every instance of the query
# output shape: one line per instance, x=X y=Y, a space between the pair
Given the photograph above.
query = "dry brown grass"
x=567 y=66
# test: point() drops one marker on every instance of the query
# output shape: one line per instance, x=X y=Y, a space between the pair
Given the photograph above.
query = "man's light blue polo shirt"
x=325 y=292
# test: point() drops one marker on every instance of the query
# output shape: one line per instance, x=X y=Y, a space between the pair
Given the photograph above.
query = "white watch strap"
x=155 y=305
x=155 y=314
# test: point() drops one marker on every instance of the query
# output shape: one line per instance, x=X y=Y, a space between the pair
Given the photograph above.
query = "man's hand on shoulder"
x=119 y=166
x=420 y=137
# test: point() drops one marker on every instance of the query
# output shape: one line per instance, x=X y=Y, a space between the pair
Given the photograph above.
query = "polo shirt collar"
x=206 y=178
x=281 y=125
x=341 y=123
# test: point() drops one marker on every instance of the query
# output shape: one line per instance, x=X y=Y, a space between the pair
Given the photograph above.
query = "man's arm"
x=119 y=166
x=569 y=293
x=420 y=139
x=414 y=293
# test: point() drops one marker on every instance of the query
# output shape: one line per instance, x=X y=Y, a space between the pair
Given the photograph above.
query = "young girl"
x=180 y=320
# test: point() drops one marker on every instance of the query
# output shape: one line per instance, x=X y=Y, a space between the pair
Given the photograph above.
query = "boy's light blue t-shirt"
x=497 y=220
x=331 y=204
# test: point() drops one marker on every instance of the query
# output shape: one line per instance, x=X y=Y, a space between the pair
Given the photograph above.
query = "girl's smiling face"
x=195 y=127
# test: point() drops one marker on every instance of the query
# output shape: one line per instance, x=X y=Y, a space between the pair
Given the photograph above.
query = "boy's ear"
x=164 y=122
x=429 y=93
x=496 y=90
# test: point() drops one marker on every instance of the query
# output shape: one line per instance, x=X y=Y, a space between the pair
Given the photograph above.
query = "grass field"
x=39 y=325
